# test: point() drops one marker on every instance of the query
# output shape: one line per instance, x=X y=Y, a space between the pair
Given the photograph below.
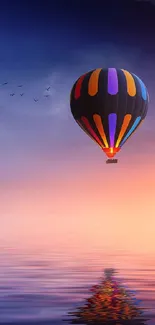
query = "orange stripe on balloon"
x=77 y=92
x=80 y=124
x=131 y=87
x=89 y=128
x=93 y=82
x=99 y=125
x=125 y=124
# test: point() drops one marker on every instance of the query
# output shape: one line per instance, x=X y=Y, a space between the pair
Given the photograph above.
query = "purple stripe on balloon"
x=112 y=81
x=112 y=128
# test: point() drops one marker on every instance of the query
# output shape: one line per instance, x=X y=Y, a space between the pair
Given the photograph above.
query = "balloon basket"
x=111 y=161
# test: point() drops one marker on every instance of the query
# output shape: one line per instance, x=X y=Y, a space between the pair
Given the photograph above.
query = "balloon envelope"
x=109 y=105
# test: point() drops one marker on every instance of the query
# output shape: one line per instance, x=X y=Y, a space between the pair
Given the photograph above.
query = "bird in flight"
x=12 y=94
x=20 y=86
x=48 y=88
x=36 y=100
x=5 y=83
x=22 y=94
x=46 y=95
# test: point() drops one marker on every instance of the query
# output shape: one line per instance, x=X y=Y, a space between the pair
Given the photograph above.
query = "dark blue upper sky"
x=38 y=31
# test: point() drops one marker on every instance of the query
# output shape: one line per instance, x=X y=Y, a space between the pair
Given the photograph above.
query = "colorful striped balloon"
x=109 y=105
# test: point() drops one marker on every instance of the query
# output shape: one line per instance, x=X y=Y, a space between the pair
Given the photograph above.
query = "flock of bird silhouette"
x=20 y=86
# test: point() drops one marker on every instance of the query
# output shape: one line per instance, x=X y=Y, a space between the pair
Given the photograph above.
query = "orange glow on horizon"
x=83 y=208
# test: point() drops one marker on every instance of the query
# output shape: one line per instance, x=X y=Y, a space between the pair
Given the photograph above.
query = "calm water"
x=41 y=287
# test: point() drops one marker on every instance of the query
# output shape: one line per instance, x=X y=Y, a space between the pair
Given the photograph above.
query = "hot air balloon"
x=109 y=105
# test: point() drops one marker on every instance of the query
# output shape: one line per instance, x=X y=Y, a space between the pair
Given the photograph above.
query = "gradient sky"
x=55 y=188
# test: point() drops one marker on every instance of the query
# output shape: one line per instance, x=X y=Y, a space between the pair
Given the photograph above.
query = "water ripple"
x=38 y=288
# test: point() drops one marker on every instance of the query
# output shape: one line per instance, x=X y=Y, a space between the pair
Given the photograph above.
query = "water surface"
x=41 y=287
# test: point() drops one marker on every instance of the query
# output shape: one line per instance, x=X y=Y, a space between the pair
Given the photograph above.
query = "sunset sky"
x=55 y=188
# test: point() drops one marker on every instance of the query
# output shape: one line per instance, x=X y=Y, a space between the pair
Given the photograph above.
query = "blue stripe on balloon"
x=112 y=128
x=143 y=88
x=131 y=130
